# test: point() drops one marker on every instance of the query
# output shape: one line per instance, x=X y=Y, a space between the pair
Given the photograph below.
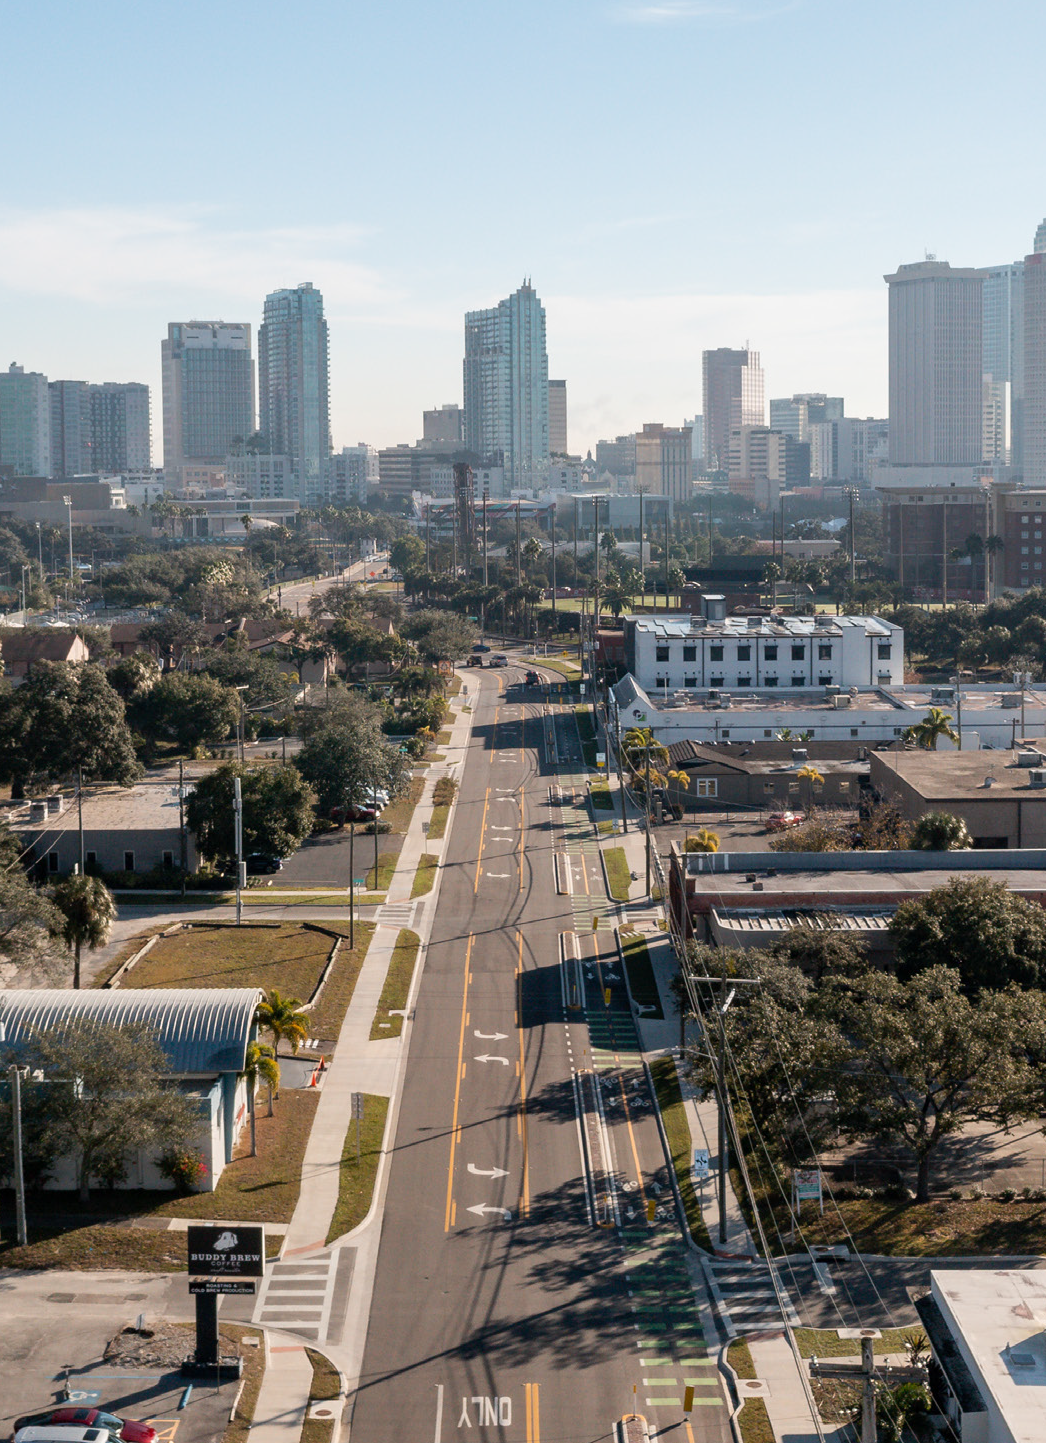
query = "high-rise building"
x=120 y=440
x=25 y=422
x=794 y=415
x=1002 y=352
x=697 y=441
x=208 y=393
x=557 y=418
x=70 y=403
x=764 y=462
x=1035 y=368
x=734 y=396
x=293 y=384
x=935 y=372
x=353 y=474
x=506 y=387
x=663 y=461
x=445 y=424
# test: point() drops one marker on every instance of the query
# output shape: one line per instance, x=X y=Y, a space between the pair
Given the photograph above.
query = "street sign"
x=359 y=881
x=357 y=1105
x=446 y=668
x=425 y=828
x=222 y=1286
x=702 y=1163
x=601 y=759
x=226 y=1252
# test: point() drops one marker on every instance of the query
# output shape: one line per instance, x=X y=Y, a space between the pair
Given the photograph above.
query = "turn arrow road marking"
x=487 y=1172
x=490 y=1036
x=486 y=1058
x=482 y=1208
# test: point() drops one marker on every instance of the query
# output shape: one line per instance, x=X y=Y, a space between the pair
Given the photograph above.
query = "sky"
x=672 y=175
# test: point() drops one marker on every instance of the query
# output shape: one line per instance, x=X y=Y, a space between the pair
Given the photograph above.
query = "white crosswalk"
x=395 y=914
x=297 y=1296
x=746 y=1295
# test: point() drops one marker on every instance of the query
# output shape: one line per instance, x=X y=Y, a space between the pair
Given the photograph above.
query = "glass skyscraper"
x=293 y=384
x=506 y=386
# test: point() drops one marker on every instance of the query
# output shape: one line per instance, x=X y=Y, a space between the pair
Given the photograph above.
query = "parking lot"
x=56 y=1328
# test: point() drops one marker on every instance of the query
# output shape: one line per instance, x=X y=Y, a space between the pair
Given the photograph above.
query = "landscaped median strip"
x=673 y=1116
x=388 y=1019
x=356 y=1185
x=619 y=875
x=425 y=876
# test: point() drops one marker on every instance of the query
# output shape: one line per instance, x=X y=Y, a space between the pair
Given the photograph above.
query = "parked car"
x=263 y=864
x=784 y=821
x=353 y=814
x=500 y=659
x=125 y=1428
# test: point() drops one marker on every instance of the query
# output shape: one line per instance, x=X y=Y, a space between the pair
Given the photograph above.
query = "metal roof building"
x=201 y=1030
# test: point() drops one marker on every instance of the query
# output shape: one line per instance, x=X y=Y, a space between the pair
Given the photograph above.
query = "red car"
x=126 y=1429
x=784 y=821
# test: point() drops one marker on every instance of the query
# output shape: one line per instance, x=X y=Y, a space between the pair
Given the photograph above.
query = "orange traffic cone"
x=312 y=1082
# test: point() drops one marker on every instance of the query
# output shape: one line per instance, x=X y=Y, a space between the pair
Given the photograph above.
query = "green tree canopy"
x=187 y=707
x=260 y=672
x=346 y=755
x=440 y=635
x=63 y=717
x=990 y=935
x=87 y=911
x=940 y=832
x=277 y=810
x=106 y=1095
x=132 y=676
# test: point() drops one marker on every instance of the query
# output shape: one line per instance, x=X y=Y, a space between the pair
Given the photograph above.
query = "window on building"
x=661 y=654
x=52 y=861
x=725 y=734
x=664 y=681
x=90 y=863
x=798 y=680
x=769 y=680
x=744 y=681
x=690 y=681
x=793 y=789
x=1025 y=566
x=716 y=681
x=824 y=681
x=844 y=789
x=128 y=861
x=168 y=861
x=798 y=653
x=706 y=786
x=824 y=651
x=744 y=652
x=853 y=731
x=768 y=788
x=885 y=651
x=715 y=653
x=767 y=732
x=689 y=653
x=770 y=652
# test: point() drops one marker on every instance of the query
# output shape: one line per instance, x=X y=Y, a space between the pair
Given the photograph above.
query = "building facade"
x=352 y=474
x=557 y=418
x=25 y=422
x=70 y=405
x=733 y=395
x=208 y=393
x=1003 y=357
x=444 y=424
x=1034 y=380
x=664 y=461
x=260 y=475
x=506 y=387
x=293 y=384
x=120 y=430
x=935 y=364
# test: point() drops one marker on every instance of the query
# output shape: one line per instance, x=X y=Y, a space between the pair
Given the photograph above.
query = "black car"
x=262 y=864
x=533 y=679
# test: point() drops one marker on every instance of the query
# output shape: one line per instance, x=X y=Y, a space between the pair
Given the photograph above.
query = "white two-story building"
x=712 y=652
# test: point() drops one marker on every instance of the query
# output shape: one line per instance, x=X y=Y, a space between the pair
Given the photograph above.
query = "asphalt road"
x=520 y=1293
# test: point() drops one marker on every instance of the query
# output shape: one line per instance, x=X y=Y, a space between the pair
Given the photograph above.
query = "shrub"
x=1006 y=1194
x=185 y=1168
x=956 y=1194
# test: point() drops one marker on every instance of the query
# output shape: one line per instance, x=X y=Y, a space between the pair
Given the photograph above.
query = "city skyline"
x=638 y=274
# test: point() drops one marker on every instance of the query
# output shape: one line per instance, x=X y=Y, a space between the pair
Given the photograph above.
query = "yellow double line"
x=455 y=1131
x=533 y=1409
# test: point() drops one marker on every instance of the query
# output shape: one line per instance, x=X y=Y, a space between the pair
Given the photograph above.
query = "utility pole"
x=237 y=811
x=667 y=503
x=646 y=808
x=352 y=885
x=575 y=543
x=710 y=526
x=15 y=1074
x=642 y=567
x=853 y=543
x=620 y=773
x=519 y=547
x=721 y=1140
x=80 y=814
x=554 y=626
x=181 y=818
x=483 y=607
x=595 y=608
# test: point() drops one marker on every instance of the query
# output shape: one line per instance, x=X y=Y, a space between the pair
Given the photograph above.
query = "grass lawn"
x=940 y=1228
x=604 y=829
x=399 y=811
x=670 y=1104
x=442 y=796
x=619 y=875
x=326 y=1387
x=601 y=797
x=379 y=879
x=824 y=1342
x=397 y=985
x=357 y=1178
x=753 y=1418
x=239 y=1425
x=425 y=876
x=443 y=737
x=641 y=980
x=567 y=669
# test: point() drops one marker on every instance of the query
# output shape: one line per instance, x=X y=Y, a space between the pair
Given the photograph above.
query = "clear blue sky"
x=672 y=174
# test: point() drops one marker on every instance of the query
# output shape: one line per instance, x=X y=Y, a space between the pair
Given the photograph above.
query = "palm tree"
x=940 y=832
x=992 y=546
x=283 y=1018
x=88 y=912
x=260 y=1065
x=934 y=725
x=703 y=841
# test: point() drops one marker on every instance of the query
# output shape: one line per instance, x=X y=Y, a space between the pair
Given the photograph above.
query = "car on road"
x=532 y=679
x=480 y=646
x=784 y=821
x=500 y=659
x=263 y=864
x=127 y=1429
x=474 y=661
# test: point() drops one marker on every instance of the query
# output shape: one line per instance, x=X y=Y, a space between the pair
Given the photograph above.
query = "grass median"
x=619 y=875
x=388 y=1019
x=753 y=1418
x=677 y=1130
x=641 y=980
x=425 y=876
x=356 y=1186
x=443 y=794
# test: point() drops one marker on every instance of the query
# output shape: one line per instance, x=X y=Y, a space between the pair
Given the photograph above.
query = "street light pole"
x=15 y=1074
x=69 y=505
x=646 y=808
x=237 y=806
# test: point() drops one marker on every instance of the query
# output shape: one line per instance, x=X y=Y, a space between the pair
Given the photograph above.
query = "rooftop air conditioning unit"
x=840 y=702
x=713 y=695
x=799 y=756
x=38 y=812
x=755 y=621
x=55 y=805
x=1037 y=776
x=1010 y=699
x=831 y=691
x=1029 y=759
